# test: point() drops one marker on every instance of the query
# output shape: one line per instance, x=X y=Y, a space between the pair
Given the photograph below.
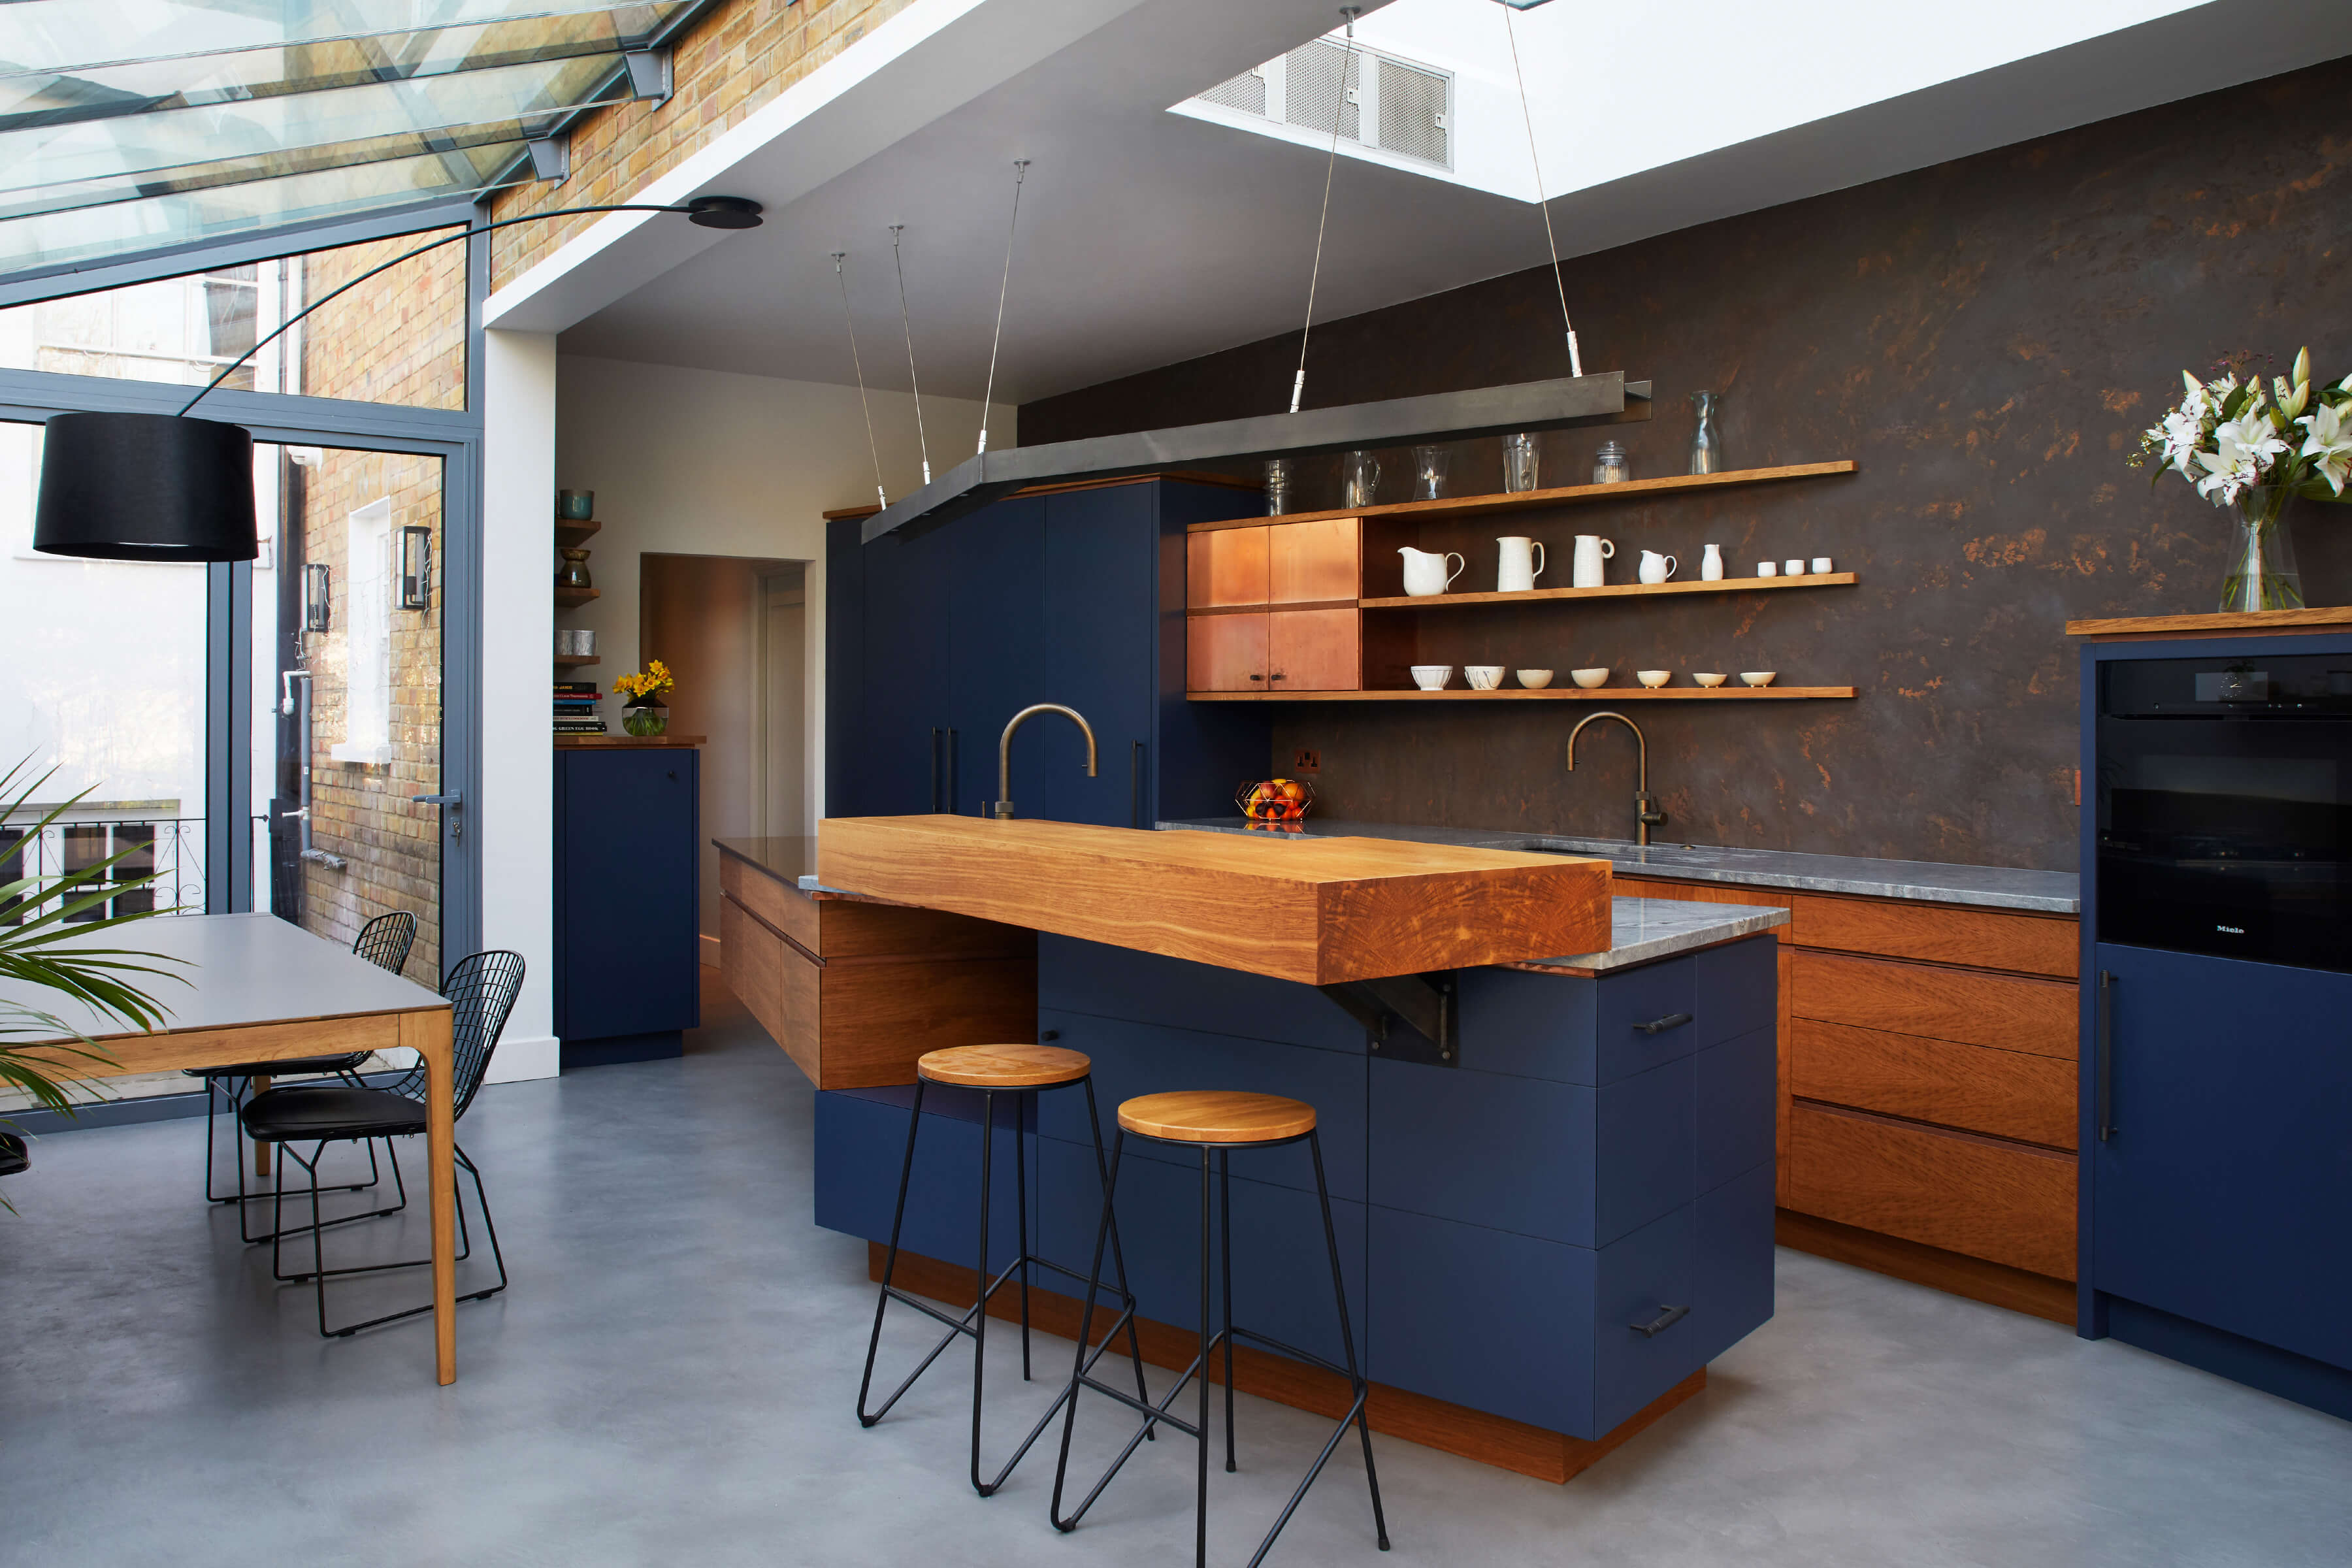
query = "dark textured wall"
x=1986 y=338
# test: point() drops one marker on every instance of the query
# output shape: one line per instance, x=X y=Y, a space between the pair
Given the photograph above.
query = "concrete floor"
x=670 y=1379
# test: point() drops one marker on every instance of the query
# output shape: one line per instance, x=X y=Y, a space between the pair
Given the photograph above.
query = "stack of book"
x=575 y=708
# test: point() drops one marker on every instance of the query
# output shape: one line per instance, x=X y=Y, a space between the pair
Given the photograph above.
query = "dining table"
x=255 y=988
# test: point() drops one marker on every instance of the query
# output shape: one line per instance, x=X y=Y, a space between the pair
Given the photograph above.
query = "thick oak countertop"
x=1320 y=913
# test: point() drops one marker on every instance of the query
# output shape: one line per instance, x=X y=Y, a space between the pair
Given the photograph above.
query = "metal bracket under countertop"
x=1406 y=1017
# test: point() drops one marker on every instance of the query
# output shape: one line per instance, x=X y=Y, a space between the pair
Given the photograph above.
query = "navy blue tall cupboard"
x=935 y=640
x=2216 y=1221
x=627 y=873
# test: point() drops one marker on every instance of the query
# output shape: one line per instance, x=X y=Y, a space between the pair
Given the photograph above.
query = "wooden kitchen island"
x=1547 y=1112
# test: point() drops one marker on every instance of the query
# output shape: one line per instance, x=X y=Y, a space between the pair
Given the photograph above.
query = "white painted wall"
x=514 y=817
x=699 y=462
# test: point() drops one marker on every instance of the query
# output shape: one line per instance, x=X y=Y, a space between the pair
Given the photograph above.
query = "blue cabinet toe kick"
x=1558 y=1233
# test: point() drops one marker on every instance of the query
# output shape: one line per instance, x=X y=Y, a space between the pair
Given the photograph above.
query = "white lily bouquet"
x=2255 y=450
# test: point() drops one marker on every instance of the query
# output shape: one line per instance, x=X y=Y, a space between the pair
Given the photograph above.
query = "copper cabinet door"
x=1309 y=563
x=1224 y=653
x=1313 y=650
x=1226 y=566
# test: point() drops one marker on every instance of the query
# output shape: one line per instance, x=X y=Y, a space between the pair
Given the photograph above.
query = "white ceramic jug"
x=1425 y=573
x=1522 y=562
x=1657 y=568
x=1710 y=566
x=1592 y=550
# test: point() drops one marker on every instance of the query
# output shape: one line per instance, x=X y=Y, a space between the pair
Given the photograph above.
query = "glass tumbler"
x=1429 y=472
x=1277 y=486
x=1520 y=457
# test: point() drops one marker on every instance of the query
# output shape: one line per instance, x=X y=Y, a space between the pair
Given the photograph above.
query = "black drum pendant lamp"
x=164 y=487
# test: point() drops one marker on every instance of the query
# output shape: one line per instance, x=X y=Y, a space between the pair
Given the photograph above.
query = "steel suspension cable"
x=1526 y=112
x=1331 y=165
x=1020 y=172
x=907 y=326
x=859 y=366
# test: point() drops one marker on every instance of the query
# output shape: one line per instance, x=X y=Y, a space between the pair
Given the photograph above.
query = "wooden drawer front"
x=850 y=929
x=1312 y=650
x=2028 y=944
x=1226 y=566
x=2000 y=1201
x=751 y=958
x=875 y=1017
x=1707 y=893
x=788 y=909
x=2008 y=1094
x=1309 y=560
x=1224 y=653
x=2037 y=1016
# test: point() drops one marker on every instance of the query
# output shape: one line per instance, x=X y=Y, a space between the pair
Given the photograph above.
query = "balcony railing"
x=171 y=849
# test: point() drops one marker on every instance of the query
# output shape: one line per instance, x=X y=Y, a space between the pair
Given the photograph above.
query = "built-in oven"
x=2224 y=806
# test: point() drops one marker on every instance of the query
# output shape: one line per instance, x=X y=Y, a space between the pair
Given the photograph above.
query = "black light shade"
x=146 y=487
x=723 y=212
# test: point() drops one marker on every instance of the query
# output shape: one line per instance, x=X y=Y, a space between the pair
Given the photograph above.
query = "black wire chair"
x=13 y=1155
x=384 y=941
x=482 y=988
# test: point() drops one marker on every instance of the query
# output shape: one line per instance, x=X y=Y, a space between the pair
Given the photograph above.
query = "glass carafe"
x=1707 y=436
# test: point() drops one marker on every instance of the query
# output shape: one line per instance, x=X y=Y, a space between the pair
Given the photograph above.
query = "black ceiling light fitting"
x=164 y=487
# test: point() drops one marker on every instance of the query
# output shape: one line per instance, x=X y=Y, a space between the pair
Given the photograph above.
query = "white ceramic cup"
x=1792 y=568
x=1522 y=562
x=1589 y=679
x=1425 y=572
x=1654 y=677
x=1766 y=569
x=1586 y=569
x=1820 y=565
x=1483 y=677
x=1431 y=677
x=1657 y=568
x=1757 y=677
x=1535 y=679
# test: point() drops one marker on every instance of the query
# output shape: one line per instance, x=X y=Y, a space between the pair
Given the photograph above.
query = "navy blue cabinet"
x=627 y=866
x=935 y=641
x=2217 y=1079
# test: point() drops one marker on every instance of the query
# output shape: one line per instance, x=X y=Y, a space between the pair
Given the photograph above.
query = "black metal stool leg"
x=1020 y=1102
x=980 y=1284
x=1200 y=1496
x=890 y=1266
x=1117 y=1258
x=1348 y=1345
x=1225 y=1229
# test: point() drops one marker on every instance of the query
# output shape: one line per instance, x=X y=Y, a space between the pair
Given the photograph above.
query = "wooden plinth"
x=1496 y=1440
x=1977 y=1279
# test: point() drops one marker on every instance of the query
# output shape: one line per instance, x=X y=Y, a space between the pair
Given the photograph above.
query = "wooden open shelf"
x=1548 y=694
x=1614 y=591
x=572 y=598
x=574 y=660
x=574 y=534
x=1529 y=500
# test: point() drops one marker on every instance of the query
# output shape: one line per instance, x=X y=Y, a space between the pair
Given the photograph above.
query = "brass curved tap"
x=1003 y=806
x=1646 y=814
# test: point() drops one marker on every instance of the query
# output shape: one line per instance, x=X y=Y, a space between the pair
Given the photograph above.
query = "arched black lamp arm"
x=467 y=233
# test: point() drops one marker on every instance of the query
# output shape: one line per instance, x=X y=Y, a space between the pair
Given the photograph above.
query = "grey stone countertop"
x=1645 y=930
x=1989 y=887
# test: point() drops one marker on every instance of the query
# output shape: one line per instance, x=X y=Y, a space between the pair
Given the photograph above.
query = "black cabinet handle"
x=1047 y=1035
x=1135 y=786
x=2104 y=1045
x=1661 y=1323
x=949 y=805
x=936 y=733
x=1660 y=1026
x=1257 y=678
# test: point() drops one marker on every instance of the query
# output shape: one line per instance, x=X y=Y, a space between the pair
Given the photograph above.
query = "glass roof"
x=128 y=125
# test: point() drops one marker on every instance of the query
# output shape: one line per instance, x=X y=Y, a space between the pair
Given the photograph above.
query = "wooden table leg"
x=428 y=1034
x=261 y=1151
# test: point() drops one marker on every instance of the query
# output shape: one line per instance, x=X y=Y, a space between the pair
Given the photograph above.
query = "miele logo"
x=2233 y=931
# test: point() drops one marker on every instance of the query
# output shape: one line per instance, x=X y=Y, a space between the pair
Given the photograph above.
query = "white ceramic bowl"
x=1483 y=677
x=1710 y=679
x=1431 y=677
x=1589 y=678
x=1535 y=679
x=1653 y=677
x=1757 y=677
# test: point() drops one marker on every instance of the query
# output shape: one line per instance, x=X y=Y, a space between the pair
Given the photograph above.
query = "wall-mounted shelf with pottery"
x=574 y=533
x=573 y=660
x=1311 y=607
x=572 y=598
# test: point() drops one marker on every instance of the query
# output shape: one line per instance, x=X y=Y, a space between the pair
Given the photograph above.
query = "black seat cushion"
x=280 y=1070
x=304 y=1112
x=13 y=1154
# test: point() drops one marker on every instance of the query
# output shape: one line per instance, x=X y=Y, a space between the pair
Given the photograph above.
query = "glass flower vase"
x=646 y=721
x=2262 y=573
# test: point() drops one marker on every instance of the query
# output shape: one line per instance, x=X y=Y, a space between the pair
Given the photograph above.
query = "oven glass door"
x=2224 y=803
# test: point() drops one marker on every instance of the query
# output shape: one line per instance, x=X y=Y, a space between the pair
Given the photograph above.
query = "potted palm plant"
x=38 y=962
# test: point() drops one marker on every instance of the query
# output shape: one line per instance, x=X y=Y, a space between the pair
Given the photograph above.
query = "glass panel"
x=88 y=234
x=347 y=720
x=58 y=36
x=183 y=329
x=107 y=689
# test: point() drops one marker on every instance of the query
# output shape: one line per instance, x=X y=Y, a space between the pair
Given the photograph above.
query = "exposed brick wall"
x=737 y=58
x=400 y=338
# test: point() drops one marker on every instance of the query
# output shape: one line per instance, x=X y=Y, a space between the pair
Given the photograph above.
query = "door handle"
x=1661 y=1323
x=1135 y=786
x=1257 y=678
x=453 y=801
x=936 y=733
x=2102 y=1044
x=1660 y=1026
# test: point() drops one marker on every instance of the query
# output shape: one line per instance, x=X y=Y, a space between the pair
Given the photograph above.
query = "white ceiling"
x=1148 y=237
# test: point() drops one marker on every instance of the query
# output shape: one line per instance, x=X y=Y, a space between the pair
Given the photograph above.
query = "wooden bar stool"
x=1022 y=1071
x=1217 y=1121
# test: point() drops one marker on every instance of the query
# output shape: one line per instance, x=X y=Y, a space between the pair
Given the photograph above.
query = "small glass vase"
x=643 y=721
x=1706 y=437
x=2262 y=573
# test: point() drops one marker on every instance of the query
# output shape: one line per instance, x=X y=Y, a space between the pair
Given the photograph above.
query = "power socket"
x=1307 y=763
